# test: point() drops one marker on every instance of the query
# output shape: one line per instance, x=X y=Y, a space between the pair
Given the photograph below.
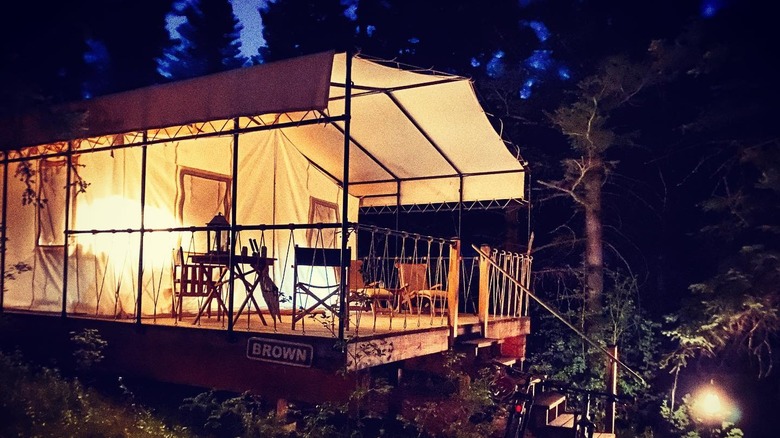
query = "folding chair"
x=316 y=277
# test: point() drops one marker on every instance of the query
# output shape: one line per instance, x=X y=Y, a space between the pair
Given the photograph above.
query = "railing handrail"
x=560 y=317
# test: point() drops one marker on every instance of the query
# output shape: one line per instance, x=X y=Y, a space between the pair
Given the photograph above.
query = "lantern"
x=220 y=227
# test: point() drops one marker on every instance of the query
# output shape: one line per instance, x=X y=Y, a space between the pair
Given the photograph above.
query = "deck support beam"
x=453 y=290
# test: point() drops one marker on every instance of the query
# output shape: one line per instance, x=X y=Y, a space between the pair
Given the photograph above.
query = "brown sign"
x=287 y=353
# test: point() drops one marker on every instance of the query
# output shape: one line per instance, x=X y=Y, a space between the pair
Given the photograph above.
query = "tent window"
x=53 y=179
x=202 y=195
x=323 y=212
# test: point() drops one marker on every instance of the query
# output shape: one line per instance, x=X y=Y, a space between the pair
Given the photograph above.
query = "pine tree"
x=125 y=38
x=298 y=27
x=208 y=43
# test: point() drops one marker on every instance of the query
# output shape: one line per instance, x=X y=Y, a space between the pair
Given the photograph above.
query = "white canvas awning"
x=416 y=137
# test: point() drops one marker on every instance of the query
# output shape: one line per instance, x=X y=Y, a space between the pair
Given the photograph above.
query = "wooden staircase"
x=551 y=419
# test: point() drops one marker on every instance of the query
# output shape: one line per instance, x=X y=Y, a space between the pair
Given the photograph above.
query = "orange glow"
x=710 y=405
x=116 y=213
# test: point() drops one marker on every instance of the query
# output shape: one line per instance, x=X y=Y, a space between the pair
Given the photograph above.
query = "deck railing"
x=128 y=275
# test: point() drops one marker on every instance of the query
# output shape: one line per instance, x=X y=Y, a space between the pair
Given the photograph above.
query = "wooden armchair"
x=201 y=281
x=371 y=294
x=416 y=290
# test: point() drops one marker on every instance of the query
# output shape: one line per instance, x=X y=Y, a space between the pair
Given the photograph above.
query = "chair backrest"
x=318 y=258
x=192 y=279
x=413 y=276
x=356 y=280
x=305 y=256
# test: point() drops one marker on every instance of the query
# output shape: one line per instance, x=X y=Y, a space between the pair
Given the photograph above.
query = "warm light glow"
x=117 y=213
x=710 y=405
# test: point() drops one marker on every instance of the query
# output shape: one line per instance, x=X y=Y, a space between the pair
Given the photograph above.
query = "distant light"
x=710 y=405
x=495 y=67
x=414 y=40
x=370 y=29
x=351 y=12
x=539 y=28
x=525 y=91
x=499 y=54
x=96 y=52
x=711 y=7
x=564 y=73
x=540 y=60
x=475 y=62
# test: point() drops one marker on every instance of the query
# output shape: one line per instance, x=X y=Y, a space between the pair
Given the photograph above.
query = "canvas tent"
x=262 y=145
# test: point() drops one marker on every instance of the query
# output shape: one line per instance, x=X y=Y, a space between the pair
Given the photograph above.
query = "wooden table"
x=242 y=266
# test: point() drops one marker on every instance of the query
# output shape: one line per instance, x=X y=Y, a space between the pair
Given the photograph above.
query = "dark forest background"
x=666 y=109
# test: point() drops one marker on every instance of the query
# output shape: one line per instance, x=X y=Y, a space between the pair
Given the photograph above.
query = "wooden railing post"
x=483 y=301
x=609 y=417
x=453 y=289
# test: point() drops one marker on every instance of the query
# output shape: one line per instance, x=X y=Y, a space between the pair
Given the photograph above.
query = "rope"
x=561 y=318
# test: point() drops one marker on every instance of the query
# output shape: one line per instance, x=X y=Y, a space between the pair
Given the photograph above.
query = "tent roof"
x=417 y=137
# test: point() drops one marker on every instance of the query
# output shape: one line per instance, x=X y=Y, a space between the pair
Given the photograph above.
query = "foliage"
x=737 y=309
x=348 y=419
x=568 y=358
x=89 y=346
x=239 y=416
x=467 y=409
x=682 y=423
x=299 y=27
x=209 y=41
x=38 y=402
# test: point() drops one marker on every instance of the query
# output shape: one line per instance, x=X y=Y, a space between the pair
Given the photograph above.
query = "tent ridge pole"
x=364 y=150
x=424 y=133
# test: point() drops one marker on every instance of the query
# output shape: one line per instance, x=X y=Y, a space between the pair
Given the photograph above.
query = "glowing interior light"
x=117 y=213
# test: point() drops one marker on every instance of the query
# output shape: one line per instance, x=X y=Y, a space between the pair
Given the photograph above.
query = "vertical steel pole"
x=139 y=307
x=343 y=311
x=3 y=231
x=460 y=207
x=68 y=189
x=233 y=218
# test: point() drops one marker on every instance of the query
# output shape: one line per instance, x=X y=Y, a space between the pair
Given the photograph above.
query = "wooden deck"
x=308 y=364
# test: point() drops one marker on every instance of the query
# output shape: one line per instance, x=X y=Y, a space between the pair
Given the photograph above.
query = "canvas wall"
x=187 y=183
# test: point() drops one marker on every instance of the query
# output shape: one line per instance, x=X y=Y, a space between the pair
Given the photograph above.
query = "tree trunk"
x=594 y=250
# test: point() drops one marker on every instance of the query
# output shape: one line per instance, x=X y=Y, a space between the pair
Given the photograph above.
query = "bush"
x=39 y=402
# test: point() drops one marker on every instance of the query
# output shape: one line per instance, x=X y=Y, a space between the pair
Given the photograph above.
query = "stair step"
x=505 y=360
x=563 y=420
x=547 y=407
x=481 y=342
x=549 y=399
